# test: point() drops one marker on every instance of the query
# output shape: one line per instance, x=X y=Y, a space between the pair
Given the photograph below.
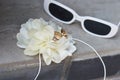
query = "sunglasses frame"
x=114 y=28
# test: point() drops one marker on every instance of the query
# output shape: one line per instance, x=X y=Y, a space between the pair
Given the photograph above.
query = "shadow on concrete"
x=92 y=68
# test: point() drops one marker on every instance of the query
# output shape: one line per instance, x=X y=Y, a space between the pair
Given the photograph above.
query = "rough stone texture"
x=13 y=63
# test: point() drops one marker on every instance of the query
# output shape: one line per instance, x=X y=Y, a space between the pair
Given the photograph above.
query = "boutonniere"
x=46 y=38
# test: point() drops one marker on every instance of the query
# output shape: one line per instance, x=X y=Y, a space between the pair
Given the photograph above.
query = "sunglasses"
x=91 y=25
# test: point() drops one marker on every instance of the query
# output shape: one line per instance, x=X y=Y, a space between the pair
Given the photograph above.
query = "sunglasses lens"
x=97 y=27
x=60 y=13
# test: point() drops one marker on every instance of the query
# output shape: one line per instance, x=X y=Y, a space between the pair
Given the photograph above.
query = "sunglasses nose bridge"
x=79 y=18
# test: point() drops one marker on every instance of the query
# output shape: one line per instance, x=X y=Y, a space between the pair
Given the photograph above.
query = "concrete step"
x=115 y=77
x=92 y=68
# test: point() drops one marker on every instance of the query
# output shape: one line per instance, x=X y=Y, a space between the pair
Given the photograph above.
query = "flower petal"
x=47 y=59
x=30 y=52
x=22 y=41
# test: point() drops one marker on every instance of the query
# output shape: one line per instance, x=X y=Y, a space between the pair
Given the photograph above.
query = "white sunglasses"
x=91 y=25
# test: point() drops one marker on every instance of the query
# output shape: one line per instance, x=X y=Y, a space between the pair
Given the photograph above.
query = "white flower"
x=31 y=28
x=58 y=51
x=36 y=36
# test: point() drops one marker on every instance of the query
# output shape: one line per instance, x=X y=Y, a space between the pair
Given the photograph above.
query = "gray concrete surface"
x=92 y=68
x=15 y=12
